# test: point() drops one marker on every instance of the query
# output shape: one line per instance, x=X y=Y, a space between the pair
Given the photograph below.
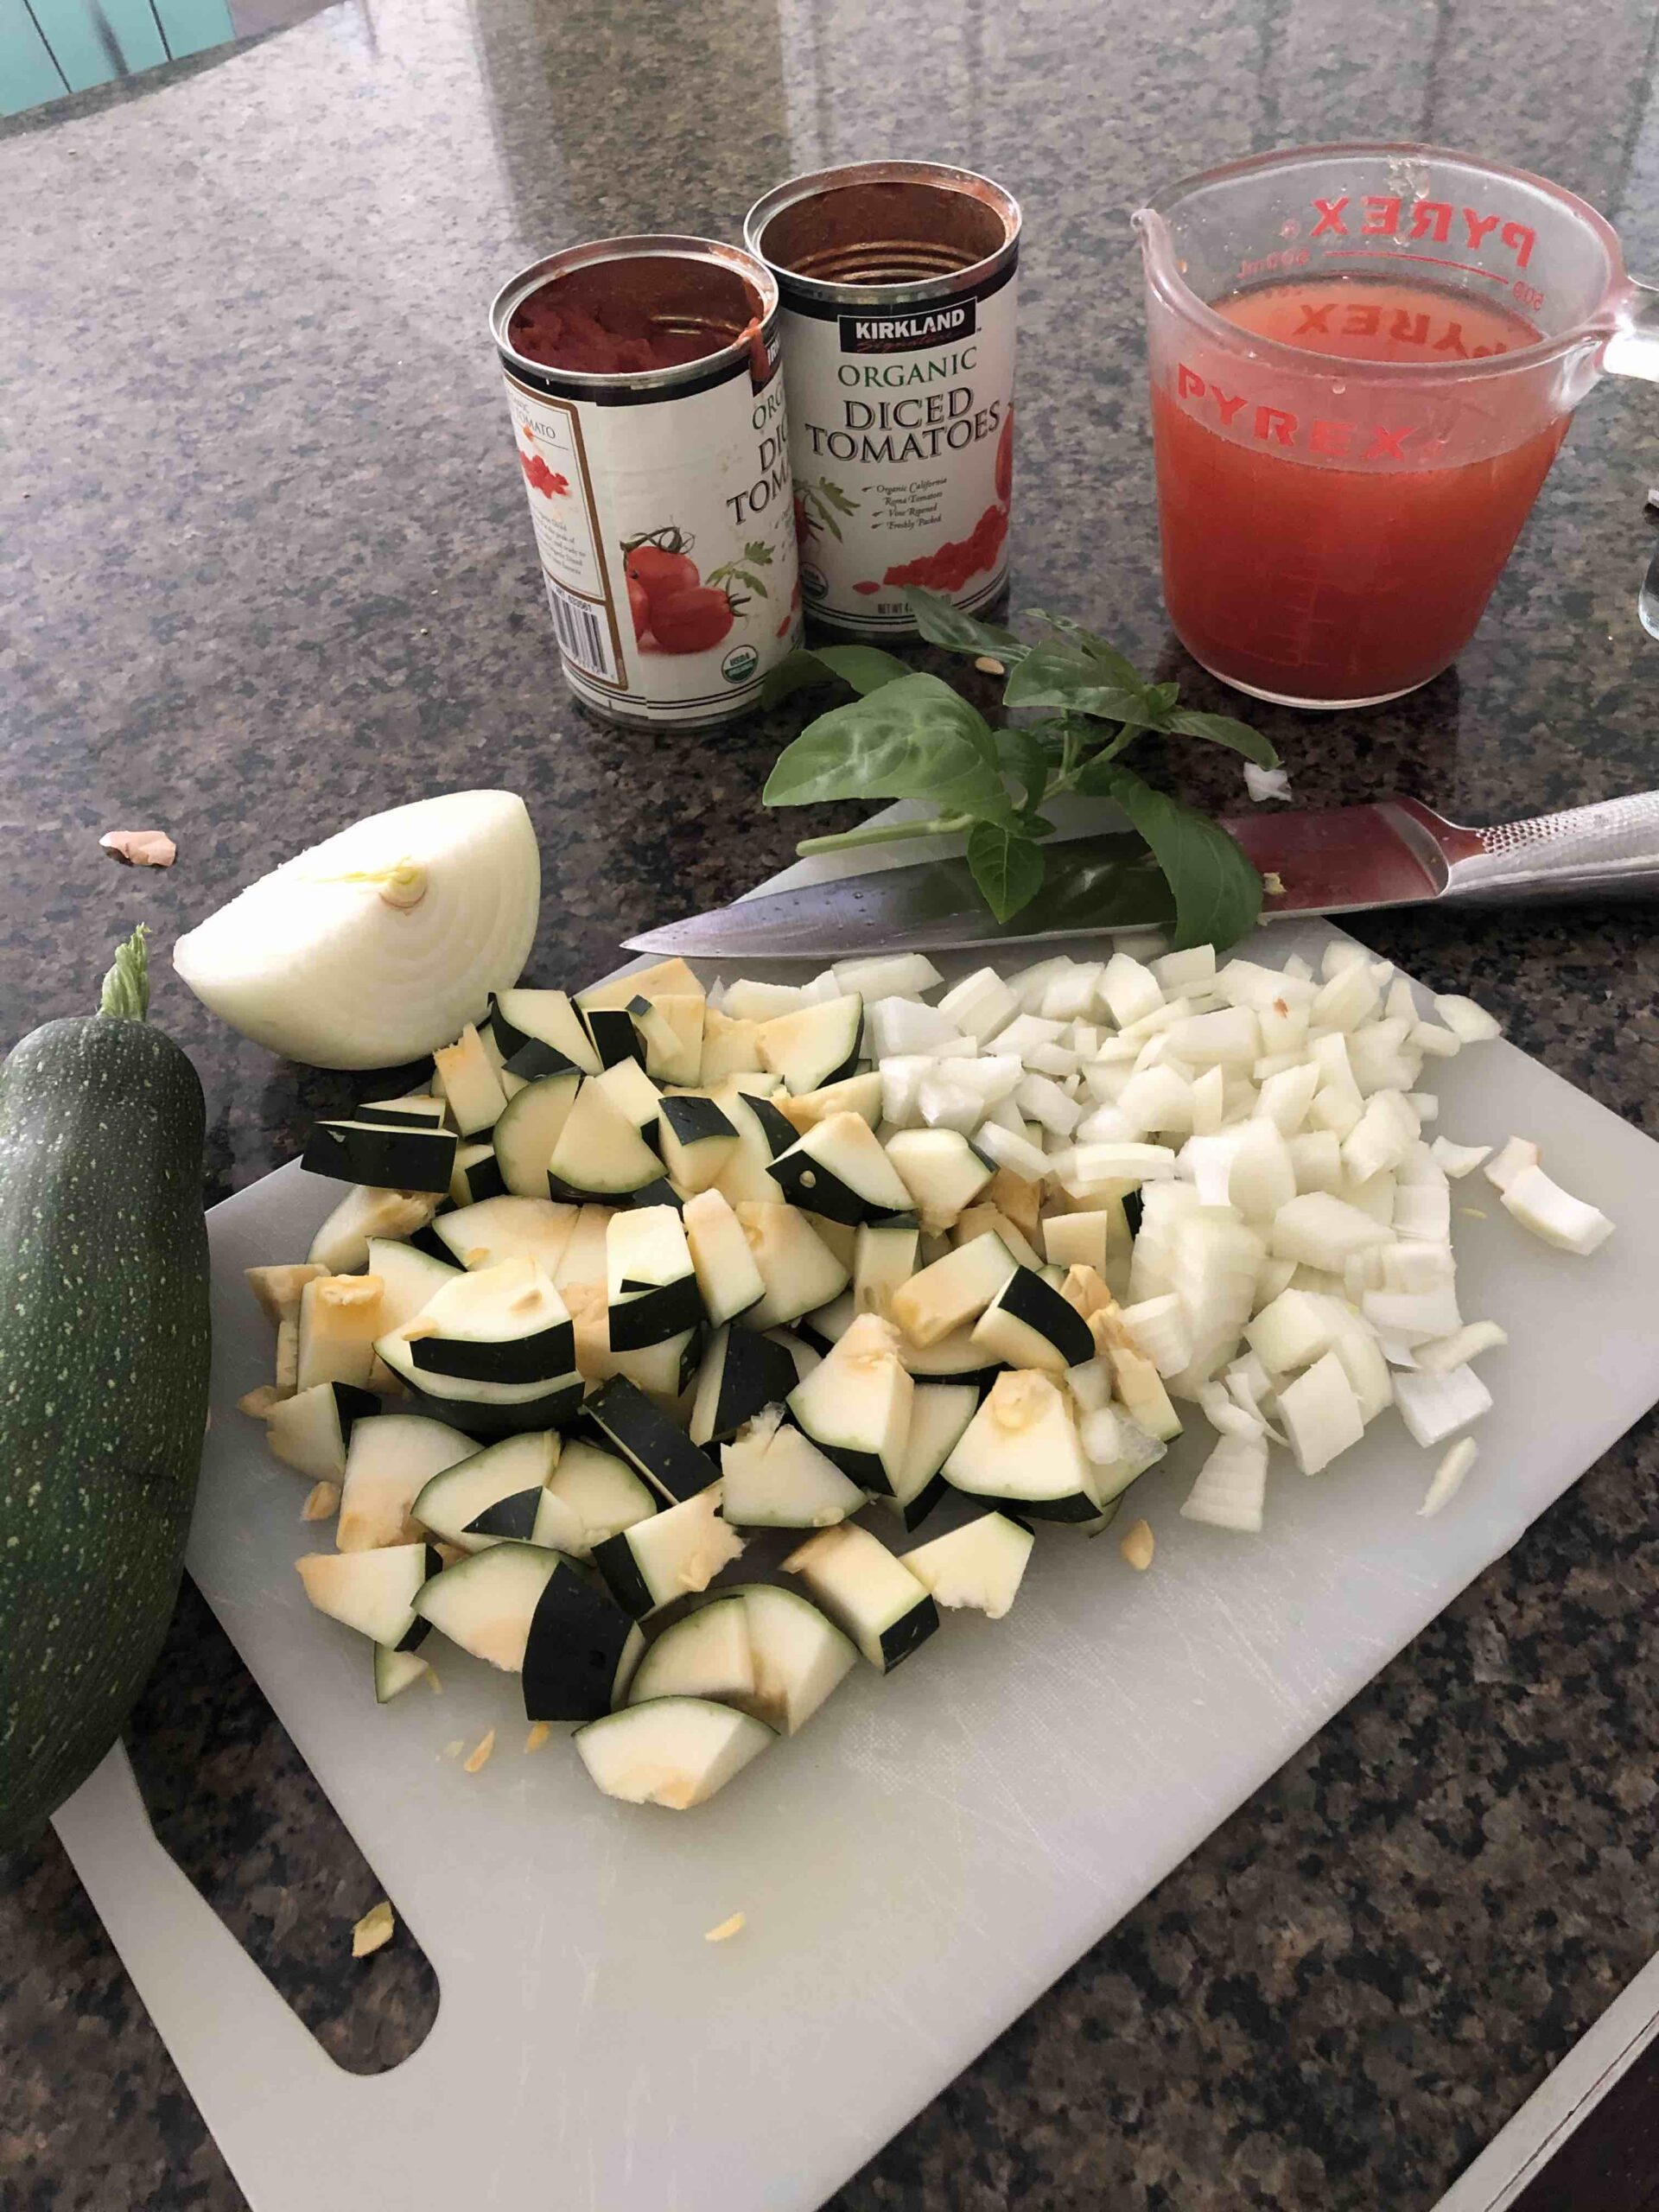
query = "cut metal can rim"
x=587 y=384
x=942 y=176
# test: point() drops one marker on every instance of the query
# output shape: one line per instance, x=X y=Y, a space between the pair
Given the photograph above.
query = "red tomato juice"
x=1313 y=582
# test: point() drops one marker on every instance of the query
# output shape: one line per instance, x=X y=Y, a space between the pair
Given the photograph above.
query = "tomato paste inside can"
x=648 y=411
x=897 y=283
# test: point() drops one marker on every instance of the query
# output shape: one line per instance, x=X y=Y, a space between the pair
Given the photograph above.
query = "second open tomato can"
x=648 y=412
x=899 y=282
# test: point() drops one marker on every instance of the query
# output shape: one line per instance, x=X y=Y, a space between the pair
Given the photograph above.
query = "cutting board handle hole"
x=242 y=1816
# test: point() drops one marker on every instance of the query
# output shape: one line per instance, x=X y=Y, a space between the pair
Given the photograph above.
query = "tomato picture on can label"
x=677 y=609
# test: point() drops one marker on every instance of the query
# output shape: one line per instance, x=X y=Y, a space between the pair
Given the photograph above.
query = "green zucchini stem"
x=126 y=988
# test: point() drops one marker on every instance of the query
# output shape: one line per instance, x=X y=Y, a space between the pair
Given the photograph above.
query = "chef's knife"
x=1395 y=853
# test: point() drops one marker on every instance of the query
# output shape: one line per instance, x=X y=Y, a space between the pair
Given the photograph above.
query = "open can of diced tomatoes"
x=647 y=405
x=898 y=281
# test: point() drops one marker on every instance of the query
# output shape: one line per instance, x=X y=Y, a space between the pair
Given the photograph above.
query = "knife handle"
x=1608 y=851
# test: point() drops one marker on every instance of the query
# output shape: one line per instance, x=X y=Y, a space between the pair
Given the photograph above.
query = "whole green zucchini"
x=104 y=1352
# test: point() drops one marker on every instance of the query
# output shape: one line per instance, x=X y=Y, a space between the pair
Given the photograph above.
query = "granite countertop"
x=266 y=567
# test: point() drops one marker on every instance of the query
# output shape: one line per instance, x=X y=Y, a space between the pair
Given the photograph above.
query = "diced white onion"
x=1542 y=1206
x=1323 y=1232
x=1264 y=784
x=1466 y=1020
x=887 y=975
x=1231 y=1490
x=1320 y=1414
x=1442 y=1354
x=1434 y=1406
x=1518 y=1154
x=1014 y=1153
x=1448 y=1477
x=1459 y=1160
x=1160 y=1327
x=1042 y=1100
x=1129 y=991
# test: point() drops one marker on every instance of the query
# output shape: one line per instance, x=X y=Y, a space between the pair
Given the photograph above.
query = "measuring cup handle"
x=1608 y=851
x=1633 y=349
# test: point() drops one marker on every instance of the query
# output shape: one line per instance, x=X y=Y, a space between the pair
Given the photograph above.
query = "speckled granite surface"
x=265 y=566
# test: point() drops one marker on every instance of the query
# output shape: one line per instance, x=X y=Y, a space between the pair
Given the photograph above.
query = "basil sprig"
x=906 y=735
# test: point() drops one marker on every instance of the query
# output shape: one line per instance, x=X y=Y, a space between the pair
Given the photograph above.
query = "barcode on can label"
x=581 y=629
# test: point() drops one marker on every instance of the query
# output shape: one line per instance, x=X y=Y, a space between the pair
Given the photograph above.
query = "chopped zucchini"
x=679 y=1550
x=703 y=1654
x=728 y=1280
x=867 y=1591
x=816 y=1044
x=1022 y=1445
x=577 y=1648
x=459 y=1498
x=502 y=1324
x=602 y=1493
x=531 y=1126
x=799 y=1658
x=741 y=1372
x=857 y=1405
x=978 y=1565
x=485 y=1603
x=340 y=1247
x=696 y=1137
x=884 y=1259
x=772 y=1476
x=670 y=1029
x=954 y=1290
x=312 y=1431
x=600 y=1152
x=340 y=1319
x=390 y=1159
x=675 y=1751
x=941 y=1171
x=466 y=1077
x=373 y=1591
x=388 y=1462
x=478 y=1174
x=1028 y=1323
x=407 y=1279
x=649 y=1441
x=540 y=1033
x=509 y=1227
x=796 y=1268
x=839 y=1169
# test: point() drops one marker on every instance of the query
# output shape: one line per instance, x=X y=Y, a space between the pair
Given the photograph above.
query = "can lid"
x=741 y=311
x=880 y=234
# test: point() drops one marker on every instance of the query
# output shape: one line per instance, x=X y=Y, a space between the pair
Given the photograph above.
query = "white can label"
x=901 y=426
x=665 y=533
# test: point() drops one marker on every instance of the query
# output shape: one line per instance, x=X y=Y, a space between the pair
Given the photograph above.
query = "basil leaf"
x=942 y=623
x=1217 y=890
x=1222 y=729
x=1008 y=870
x=1116 y=667
x=865 y=667
x=913 y=738
x=1020 y=754
x=1049 y=676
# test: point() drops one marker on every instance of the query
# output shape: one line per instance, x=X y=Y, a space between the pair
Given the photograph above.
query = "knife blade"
x=1328 y=863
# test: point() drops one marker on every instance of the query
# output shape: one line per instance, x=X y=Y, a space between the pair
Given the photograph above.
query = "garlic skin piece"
x=140 y=848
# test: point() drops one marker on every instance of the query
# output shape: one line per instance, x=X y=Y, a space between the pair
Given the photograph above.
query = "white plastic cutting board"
x=915 y=1867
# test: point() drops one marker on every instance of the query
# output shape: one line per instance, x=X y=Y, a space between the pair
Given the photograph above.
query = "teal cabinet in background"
x=49 y=48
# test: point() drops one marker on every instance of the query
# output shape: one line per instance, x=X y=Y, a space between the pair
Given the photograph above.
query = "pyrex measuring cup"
x=1364 y=359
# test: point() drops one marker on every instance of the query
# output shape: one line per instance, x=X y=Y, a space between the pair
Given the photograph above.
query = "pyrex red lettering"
x=1409 y=329
x=1314 y=318
x=1477 y=226
x=1228 y=407
x=1330 y=217
x=1362 y=322
x=1188 y=385
x=1452 y=342
x=1273 y=422
x=1382 y=215
x=1517 y=236
x=1385 y=444
x=1329 y=437
x=1432 y=219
